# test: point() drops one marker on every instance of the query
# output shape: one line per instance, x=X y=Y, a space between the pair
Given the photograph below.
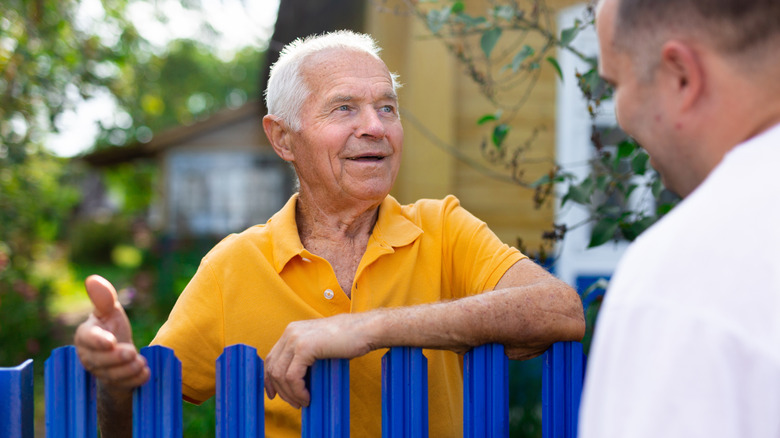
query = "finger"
x=128 y=375
x=296 y=377
x=92 y=337
x=290 y=384
x=278 y=378
x=269 y=386
x=102 y=294
x=95 y=360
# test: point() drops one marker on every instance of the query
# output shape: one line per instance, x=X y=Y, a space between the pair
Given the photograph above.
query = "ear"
x=278 y=134
x=684 y=73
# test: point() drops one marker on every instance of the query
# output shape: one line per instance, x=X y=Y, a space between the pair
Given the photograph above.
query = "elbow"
x=575 y=329
x=574 y=324
x=568 y=322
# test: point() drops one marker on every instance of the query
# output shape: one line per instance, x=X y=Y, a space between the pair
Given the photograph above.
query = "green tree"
x=41 y=55
x=186 y=83
x=50 y=60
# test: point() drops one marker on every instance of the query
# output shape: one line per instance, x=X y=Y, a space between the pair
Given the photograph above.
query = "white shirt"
x=687 y=342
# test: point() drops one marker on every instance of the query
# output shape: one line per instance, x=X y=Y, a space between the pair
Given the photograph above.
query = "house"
x=216 y=176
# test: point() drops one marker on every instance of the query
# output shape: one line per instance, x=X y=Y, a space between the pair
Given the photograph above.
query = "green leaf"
x=579 y=193
x=634 y=229
x=489 y=117
x=603 y=232
x=489 y=40
x=499 y=134
x=567 y=35
x=437 y=17
x=555 y=65
x=601 y=183
x=469 y=21
x=664 y=208
x=545 y=179
x=630 y=189
x=639 y=163
x=457 y=7
x=505 y=12
x=486 y=118
x=625 y=149
x=521 y=56
x=658 y=187
x=611 y=211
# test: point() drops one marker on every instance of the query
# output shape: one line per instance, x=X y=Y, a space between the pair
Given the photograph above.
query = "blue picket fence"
x=70 y=405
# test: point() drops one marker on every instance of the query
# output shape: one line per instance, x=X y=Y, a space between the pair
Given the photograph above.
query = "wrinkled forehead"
x=341 y=59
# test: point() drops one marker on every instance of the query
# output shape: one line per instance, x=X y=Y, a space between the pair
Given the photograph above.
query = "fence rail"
x=70 y=399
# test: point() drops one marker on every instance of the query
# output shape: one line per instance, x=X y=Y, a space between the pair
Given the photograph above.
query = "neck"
x=322 y=220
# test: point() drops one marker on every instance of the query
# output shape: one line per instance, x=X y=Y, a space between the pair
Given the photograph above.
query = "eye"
x=343 y=108
x=387 y=109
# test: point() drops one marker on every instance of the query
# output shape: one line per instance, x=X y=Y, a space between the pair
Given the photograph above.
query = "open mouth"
x=368 y=158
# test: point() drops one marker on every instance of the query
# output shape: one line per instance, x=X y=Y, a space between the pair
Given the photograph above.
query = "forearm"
x=115 y=412
x=528 y=312
x=526 y=319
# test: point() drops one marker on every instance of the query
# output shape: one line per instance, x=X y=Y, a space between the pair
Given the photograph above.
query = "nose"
x=370 y=124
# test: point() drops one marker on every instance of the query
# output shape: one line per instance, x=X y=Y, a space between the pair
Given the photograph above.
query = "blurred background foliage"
x=51 y=60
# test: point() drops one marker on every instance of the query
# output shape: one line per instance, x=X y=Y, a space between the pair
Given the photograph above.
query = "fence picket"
x=157 y=406
x=16 y=401
x=562 y=377
x=327 y=415
x=71 y=410
x=404 y=393
x=240 y=399
x=486 y=392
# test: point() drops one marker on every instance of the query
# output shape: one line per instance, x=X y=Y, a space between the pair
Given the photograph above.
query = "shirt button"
x=328 y=294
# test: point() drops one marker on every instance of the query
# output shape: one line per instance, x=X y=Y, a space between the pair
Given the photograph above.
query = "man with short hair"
x=343 y=270
x=687 y=343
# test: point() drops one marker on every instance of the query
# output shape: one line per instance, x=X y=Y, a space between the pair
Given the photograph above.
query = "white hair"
x=287 y=91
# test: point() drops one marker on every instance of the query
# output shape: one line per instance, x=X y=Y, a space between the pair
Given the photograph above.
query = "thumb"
x=102 y=294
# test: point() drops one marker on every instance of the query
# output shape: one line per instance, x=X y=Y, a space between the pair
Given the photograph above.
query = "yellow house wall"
x=438 y=95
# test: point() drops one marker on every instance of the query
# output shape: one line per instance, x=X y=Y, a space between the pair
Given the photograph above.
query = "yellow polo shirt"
x=251 y=285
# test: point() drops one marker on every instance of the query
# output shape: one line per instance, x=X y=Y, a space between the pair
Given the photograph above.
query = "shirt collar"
x=284 y=234
x=392 y=228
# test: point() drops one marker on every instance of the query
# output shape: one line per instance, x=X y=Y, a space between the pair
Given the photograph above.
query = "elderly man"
x=688 y=340
x=343 y=270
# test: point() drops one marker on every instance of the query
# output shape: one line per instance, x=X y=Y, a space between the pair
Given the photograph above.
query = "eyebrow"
x=339 y=99
x=345 y=98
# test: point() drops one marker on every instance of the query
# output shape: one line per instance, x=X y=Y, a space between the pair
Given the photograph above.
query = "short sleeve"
x=474 y=256
x=195 y=332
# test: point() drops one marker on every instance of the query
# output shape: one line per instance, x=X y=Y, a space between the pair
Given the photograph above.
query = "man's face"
x=639 y=100
x=350 y=142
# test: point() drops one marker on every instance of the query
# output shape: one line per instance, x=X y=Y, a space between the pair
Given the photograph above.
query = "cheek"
x=395 y=135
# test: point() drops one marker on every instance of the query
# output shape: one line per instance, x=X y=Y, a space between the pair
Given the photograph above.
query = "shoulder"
x=436 y=210
x=237 y=245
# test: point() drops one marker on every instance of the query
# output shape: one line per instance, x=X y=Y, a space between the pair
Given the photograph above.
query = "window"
x=220 y=192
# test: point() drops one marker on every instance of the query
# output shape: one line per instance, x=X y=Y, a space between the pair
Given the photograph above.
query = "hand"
x=104 y=342
x=342 y=336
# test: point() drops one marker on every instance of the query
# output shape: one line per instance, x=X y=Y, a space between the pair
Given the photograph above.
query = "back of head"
x=748 y=29
x=287 y=91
